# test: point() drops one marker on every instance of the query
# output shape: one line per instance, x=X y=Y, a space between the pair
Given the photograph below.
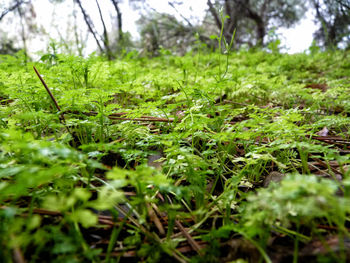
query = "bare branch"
x=177 y=11
x=344 y=4
x=12 y=8
x=89 y=24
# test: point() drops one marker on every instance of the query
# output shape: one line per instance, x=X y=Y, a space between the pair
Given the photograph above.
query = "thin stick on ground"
x=62 y=119
x=47 y=89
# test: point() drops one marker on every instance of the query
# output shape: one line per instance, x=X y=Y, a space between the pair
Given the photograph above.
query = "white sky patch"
x=191 y=9
x=300 y=37
x=129 y=17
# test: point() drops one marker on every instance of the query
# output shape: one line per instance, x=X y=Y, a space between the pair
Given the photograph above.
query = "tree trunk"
x=215 y=15
x=232 y=22
x=260 y=25
x=119 y=17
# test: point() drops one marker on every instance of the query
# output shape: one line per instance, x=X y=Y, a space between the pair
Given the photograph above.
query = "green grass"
x=165 y=159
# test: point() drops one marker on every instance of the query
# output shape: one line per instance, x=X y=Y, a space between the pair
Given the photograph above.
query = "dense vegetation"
x=208 y=157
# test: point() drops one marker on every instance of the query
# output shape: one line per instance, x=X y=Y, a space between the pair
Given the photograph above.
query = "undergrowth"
x=204 y=158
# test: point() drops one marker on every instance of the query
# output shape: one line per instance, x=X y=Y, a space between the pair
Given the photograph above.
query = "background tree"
x=254 y=18
x=103 y=42
x=119 y=19
x=334 y=18
x=24 y=11
x=160 y=30
x=164 y=31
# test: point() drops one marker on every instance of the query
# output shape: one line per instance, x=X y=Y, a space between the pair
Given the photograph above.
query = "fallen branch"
x=48 y=90
x=62 y=119
x=189 y=238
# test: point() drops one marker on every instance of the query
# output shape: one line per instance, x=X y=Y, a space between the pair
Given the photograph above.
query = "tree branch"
x=89 y=25
x=177 y=11
x=344 y=4
x=12 y=8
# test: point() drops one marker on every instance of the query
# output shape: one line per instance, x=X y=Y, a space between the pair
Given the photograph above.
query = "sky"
x=54 y=21
x=300 y=37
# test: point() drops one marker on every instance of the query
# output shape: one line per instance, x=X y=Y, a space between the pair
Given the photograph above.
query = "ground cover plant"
x=208 y=157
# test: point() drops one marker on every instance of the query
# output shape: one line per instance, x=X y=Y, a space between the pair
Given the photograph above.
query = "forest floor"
x=207 y=157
